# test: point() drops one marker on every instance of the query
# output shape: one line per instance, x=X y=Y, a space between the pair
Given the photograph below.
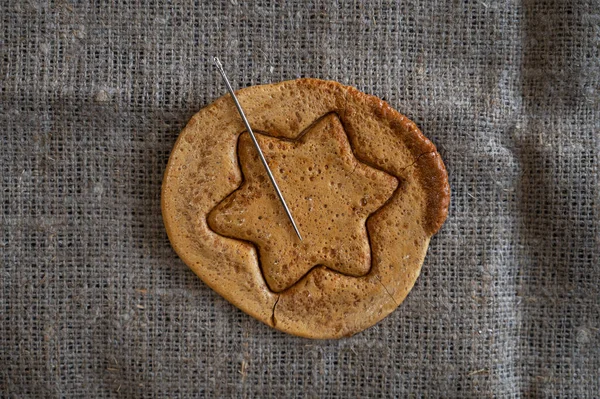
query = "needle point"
x=255 y=141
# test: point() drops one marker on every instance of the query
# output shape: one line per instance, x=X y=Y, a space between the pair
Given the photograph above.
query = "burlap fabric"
x=95 y=303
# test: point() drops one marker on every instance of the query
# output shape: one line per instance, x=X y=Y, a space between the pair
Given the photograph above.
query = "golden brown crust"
x=433 y=177
x=203 y=170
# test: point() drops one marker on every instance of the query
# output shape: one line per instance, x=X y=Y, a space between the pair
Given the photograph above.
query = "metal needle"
x=260 y=153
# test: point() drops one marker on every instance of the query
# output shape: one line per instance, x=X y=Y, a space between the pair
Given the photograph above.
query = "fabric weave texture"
x=95 y=303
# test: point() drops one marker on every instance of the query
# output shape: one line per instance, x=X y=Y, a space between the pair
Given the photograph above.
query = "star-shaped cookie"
x=330 y=194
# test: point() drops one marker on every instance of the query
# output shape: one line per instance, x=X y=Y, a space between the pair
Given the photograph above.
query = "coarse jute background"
x=95 y=303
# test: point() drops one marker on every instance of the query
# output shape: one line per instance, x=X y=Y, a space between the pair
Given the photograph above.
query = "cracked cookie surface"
x=347 y=294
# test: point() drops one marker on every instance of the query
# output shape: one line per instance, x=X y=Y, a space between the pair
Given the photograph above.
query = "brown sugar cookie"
x=366 y=188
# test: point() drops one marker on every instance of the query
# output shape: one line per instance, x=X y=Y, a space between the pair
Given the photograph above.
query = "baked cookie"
x=366 y=189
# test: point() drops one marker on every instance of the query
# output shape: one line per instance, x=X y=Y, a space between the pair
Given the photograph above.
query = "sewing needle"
x=260 y=153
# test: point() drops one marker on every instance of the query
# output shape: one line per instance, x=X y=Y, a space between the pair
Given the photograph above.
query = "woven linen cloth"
x=95 y=303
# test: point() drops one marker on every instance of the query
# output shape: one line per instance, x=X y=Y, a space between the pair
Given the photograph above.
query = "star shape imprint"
x=330 y=194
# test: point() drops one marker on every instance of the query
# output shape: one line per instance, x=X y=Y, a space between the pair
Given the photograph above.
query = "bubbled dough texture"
x=203 y=170
x=329 y=193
